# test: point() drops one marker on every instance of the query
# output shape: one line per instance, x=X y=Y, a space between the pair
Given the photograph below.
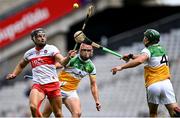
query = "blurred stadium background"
x=116 y=24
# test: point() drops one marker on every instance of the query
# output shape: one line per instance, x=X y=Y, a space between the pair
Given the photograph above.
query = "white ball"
x=75 y=5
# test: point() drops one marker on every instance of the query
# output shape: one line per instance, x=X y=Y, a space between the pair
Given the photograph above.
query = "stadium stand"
x=15 y=106
x=8 y=8
x=5 y=3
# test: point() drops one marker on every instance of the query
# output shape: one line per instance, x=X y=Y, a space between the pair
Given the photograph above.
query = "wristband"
x=130 y=56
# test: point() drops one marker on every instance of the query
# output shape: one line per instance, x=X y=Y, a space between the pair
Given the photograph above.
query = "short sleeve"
x=145 y=50
x=25 y=57
x=94 y=70
x=55 y=50
x=71 y=61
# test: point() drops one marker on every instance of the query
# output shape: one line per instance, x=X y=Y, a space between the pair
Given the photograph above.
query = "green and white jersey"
x=157 y=55
x=157 y=65
x=74 y=71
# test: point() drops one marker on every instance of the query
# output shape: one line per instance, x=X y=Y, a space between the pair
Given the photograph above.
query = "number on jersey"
x=164 y=59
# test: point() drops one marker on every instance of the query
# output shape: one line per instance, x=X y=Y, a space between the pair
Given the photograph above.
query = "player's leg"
x=153 y=98
x=54 y=97
x=169 y=99
x=173 y=109
x=72 y=102
x=35 y=99
x=74 y=106
x=47 y=109
x=153 y=109
x=56 y=105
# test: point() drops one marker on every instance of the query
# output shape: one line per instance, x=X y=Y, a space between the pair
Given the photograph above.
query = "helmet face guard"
x=152 y=35
x=86 y=47
x=35 y=32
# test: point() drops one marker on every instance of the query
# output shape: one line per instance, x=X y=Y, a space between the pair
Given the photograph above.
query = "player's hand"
x=177 y=111
x=72 y=53
x=115 y=69
x=98 y=106
x=10 y=76
x=127 y=57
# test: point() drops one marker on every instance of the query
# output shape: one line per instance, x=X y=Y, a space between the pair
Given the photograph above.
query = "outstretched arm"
x=132 y=63
x=127 y=57
x=64 y=60
x=20 y=66
x=94 y=91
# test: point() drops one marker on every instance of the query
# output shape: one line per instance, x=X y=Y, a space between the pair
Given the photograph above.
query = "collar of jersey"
x=38 y=48
x=154 y=45
x=82 y=59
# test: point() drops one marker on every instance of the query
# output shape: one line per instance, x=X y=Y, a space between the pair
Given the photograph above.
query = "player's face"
x=145 y=41
x=40 y=39
x=86 y=53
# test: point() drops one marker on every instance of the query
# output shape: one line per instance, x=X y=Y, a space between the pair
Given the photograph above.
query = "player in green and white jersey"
x=156 y=74
x=77 y=68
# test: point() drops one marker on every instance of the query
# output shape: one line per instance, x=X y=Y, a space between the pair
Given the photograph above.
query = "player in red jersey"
x=45 y=80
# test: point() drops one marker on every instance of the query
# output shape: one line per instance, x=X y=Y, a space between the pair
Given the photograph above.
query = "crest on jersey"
x=45 y=51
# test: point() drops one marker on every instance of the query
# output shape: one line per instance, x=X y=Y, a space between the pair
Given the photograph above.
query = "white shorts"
x=161 y=93
x=69 y=94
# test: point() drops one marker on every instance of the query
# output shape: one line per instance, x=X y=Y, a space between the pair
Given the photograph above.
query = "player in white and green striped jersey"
x=156 y=73
x=70 y=77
